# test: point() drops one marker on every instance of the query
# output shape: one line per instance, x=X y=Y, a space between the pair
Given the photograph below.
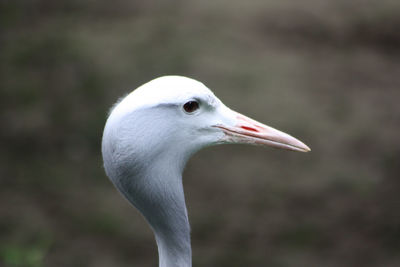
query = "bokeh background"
x=328 y=72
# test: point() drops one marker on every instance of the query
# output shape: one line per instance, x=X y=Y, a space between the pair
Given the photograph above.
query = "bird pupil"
x=191 y=106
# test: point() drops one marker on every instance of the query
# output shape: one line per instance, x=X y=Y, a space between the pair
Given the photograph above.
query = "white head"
x=177 y=116
x=152 y=132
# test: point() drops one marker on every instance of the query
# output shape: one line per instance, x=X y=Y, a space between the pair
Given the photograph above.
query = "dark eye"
x=191 y=106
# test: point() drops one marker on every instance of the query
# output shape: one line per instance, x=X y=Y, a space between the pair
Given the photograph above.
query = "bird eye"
x=191 y=106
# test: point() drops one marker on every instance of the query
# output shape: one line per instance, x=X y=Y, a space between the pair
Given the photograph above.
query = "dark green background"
x=327 y=72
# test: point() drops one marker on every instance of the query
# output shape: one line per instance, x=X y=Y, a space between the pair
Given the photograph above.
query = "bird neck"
x=156 y=190
x=172 y=230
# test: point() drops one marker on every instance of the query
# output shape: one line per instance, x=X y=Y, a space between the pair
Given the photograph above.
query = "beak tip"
x=303 y=147
x=306 y=149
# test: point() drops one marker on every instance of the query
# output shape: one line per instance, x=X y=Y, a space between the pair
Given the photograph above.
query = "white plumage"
x=150 y=135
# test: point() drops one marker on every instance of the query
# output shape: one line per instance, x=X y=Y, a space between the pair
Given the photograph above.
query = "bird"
x=149 y=136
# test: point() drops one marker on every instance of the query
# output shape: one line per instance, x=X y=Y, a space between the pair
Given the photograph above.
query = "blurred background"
x=327 y=72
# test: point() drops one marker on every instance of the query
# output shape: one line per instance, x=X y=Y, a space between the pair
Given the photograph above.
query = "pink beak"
x=249 y=131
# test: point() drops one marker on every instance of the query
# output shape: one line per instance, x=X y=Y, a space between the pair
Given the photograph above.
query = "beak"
x=249 y=131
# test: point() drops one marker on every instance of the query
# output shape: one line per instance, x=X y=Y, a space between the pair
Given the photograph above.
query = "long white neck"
x=172 y=230
x=156 y=190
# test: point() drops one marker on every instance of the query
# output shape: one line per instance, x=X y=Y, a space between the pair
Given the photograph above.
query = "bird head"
x=179 y=115
x=175 y=116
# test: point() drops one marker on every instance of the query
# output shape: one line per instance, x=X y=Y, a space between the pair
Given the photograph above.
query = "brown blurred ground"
x=327 y=72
